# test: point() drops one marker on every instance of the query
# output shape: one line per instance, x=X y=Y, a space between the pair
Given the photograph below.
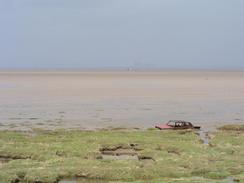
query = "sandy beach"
x=103 y=99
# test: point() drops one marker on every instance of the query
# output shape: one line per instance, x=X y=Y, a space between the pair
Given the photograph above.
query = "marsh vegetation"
x=121 y=156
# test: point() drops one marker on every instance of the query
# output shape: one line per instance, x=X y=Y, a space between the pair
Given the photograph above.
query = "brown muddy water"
x=81 y=180
x=91 y=100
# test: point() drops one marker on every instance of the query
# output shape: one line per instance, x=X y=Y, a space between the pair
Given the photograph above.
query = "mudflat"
x=103 y=99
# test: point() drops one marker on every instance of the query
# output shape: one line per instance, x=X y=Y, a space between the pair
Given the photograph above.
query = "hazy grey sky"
x=121 y=33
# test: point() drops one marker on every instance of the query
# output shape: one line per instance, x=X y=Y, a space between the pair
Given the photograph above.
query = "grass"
x=232 y=128
x=178 y=156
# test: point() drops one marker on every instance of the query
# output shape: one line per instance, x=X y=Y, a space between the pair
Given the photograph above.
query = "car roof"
x=179 y=121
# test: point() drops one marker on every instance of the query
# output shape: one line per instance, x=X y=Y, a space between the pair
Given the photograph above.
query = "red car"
x=177 y=125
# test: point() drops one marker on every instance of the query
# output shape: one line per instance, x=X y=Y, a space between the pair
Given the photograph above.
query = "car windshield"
x=179 y=124
x=171 y=123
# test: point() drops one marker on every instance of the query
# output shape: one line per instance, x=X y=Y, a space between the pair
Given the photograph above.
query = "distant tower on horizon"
x=129 y=69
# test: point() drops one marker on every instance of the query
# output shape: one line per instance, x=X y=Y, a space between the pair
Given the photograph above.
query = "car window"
x=189 y=124
x=171 y=123
x=178 y=124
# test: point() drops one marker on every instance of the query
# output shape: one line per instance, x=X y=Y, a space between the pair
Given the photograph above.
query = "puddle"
x=124 y=152
x=231 y=180
x=120 y=152
x=80 y=180
x=203 y=135
x=67 y=181
x=119 y=157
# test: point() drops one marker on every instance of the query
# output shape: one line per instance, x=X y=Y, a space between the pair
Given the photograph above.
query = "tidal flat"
x=121 y=155
x=104 y=99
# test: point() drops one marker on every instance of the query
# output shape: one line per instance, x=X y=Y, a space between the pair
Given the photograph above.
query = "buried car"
x=177 y=125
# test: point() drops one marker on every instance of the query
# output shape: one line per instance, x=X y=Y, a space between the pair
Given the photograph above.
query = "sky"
x=166 y=34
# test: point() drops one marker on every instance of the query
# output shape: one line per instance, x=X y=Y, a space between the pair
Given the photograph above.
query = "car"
x=177 y=125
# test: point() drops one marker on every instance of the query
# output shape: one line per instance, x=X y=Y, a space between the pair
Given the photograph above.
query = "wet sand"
x=91 y=100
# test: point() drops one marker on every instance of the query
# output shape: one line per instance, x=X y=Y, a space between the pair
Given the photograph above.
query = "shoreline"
x=224 y=126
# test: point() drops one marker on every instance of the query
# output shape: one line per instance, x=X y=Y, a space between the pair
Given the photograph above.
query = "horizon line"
x=128 y=69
